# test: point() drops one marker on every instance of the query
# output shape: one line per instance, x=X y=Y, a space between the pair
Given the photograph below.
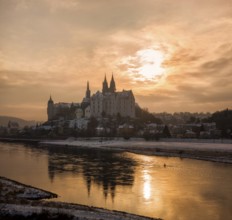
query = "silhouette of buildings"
x=70 y=110
x=109 y=102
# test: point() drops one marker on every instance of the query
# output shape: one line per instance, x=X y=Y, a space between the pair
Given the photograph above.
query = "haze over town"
x=174 y=55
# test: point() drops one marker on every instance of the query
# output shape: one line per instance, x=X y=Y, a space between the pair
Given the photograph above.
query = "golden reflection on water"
x=146 y=185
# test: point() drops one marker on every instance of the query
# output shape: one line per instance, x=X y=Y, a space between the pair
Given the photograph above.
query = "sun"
x=145 y=65
x=151 y=63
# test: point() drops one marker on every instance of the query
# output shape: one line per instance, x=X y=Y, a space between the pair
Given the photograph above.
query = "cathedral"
x=109 y=102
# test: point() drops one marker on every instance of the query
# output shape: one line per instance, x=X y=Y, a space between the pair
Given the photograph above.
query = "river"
x=165 y=187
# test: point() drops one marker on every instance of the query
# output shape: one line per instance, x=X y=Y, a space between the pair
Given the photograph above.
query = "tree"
x=145 y=116
x=91 y=127
x=166 y=132
x=103 y=114
x=223 y=120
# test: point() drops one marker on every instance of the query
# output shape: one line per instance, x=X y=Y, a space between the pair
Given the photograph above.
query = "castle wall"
x=108 y=103
x=113 y=103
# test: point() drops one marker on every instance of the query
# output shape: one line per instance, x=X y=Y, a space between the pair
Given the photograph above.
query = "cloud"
x=181 y=57
x=57 y=45
x=217 y=65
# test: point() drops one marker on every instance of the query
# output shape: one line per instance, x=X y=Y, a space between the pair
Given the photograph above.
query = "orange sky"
x=175 y=55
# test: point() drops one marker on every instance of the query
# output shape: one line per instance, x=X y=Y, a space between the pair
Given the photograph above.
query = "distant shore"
x=211 y=151
x=20 y=201
x=216 y=150
x=20 y=140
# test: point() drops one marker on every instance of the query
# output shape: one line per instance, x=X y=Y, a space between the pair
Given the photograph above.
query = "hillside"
x=5 y=119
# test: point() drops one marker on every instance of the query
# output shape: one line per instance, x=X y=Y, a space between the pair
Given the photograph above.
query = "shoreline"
x=215 y=152
x=104 y=139
x=13 y=205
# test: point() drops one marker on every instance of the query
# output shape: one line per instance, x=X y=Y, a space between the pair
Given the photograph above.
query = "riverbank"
x=20 y=201
x=20 y=140
x=216 y=152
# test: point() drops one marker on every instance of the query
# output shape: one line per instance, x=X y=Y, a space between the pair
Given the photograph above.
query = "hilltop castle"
x=101 y=104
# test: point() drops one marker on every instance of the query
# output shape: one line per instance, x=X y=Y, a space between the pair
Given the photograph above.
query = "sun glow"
x=151 y=61
x=146 y=64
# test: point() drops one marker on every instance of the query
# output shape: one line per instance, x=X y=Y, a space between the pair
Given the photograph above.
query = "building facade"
x=69 y=111
x=101 y=104
x=111 y=103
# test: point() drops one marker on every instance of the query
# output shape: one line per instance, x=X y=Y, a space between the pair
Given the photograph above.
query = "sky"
x=175 y=55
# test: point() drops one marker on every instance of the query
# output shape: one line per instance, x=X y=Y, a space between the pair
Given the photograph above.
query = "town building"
x=112 y=103
x=107 y=103
x=62 y=110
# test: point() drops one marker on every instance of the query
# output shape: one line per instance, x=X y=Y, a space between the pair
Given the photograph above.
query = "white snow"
x=81 y=214
x=220 y=152
x=141 y=144
x=22 y=191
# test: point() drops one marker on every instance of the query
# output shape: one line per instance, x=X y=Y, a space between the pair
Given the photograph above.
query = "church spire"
x=88 y=92
x=105 y=86
x=112 y=84
x=50 y=109
x=50 y=99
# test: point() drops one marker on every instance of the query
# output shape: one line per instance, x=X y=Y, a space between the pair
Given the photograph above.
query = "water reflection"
x=104 y=168
x=146 y=185
x=184 y=189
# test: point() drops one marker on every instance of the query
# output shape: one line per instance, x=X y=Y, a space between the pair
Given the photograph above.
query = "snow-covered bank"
x=219 y=152
x=69 y=211
x=16 y=203
x=13 y=190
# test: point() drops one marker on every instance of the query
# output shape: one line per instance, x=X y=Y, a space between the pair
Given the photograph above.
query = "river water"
x=165 y=187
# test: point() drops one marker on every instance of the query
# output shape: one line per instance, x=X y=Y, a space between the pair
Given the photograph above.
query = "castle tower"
x=88 y=92
x=112 y=84
x=105 y=87
x=50 y=109
x=86 y=100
